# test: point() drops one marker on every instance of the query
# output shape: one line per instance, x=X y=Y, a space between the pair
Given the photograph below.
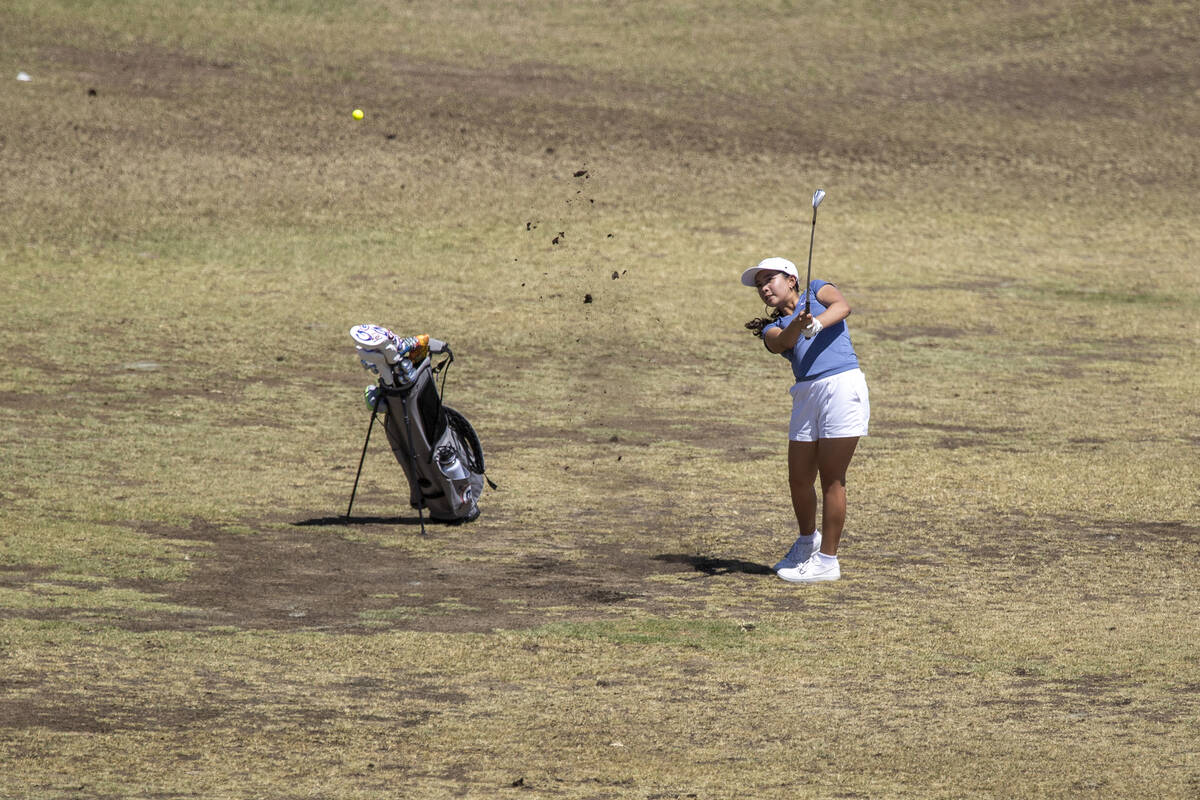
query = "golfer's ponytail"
x=757 y=324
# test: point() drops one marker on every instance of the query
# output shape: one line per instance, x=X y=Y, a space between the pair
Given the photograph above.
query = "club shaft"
x=808 y=278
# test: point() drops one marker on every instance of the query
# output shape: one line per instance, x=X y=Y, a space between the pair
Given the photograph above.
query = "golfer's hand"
x=810 y=325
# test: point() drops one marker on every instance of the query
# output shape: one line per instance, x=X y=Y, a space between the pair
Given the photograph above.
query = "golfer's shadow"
x=711 y=567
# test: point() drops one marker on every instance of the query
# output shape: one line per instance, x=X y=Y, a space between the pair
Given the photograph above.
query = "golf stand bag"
x=435 y=445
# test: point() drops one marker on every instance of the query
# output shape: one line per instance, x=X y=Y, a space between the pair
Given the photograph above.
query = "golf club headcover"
x=408 y=347
x=371 y=396
x=379 y=361
x=371 y=337
x=421 y=347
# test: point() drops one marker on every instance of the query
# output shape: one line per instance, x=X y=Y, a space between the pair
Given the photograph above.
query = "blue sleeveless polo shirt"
x=827 y=353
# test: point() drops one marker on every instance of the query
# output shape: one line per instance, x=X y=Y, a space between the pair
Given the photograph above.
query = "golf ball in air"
x=357 y=113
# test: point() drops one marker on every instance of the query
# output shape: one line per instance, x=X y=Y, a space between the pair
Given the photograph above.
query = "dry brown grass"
x=1010 y=212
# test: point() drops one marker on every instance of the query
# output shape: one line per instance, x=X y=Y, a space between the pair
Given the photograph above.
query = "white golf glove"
x=813 y=328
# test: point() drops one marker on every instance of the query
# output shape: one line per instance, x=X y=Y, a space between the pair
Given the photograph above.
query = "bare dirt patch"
x=314 y=578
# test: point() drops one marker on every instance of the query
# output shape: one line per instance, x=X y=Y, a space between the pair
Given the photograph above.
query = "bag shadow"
x=357 y=520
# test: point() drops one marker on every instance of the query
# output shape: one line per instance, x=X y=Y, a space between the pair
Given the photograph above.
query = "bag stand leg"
x=363 y=457
x=411 y=454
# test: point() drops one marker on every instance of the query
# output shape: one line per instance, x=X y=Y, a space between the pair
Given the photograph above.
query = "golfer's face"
x=772 y=287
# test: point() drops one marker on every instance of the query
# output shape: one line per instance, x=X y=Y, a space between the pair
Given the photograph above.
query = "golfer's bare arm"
x=836 y=309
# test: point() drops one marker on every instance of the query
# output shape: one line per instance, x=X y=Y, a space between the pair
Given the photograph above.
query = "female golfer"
x=830 y=408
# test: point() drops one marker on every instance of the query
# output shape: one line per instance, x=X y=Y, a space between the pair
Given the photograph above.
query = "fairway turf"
x=567 y=193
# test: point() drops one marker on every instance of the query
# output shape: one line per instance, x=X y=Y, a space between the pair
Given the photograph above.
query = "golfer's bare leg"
x=802 y=473
x=833 y=459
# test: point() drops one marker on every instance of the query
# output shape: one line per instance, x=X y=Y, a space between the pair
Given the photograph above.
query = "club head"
x=818 y=196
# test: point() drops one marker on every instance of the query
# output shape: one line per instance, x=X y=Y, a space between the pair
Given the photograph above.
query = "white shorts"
x=837 y=407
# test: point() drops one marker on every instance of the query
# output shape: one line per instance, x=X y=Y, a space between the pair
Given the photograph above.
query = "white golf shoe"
x=815 y=570
x=801 y=551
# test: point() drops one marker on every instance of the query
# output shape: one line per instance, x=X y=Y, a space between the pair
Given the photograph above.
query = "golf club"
x=818 y=196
